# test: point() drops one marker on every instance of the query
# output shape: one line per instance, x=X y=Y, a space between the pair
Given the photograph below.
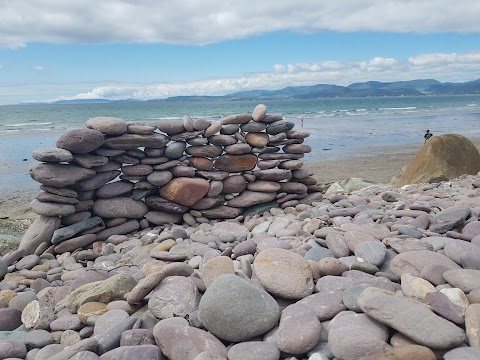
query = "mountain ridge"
x=419 y=87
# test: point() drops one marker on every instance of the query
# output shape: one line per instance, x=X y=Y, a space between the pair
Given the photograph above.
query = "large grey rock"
x=59 y=175
x=463 y=353
x=449 y=218
x=111 y=339
x=174 y=296
x=352 y=336
x=372 y=252
x=12 y=349
x=284 y=273
x=325 y=304
x=402 y=314
x=81 y=141
x=10 y=319
x=96 y=181
x=233 y=309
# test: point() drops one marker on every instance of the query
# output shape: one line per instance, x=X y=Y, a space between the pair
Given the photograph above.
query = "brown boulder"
x=236 y=163
x=81 y=141
x=185 y=191
x=257 y=139
x=442 y=158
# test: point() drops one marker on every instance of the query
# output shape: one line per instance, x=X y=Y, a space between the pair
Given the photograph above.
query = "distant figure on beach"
x=427 y=135
x=301 y=121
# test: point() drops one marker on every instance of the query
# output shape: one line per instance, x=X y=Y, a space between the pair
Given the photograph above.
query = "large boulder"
x=442 y=158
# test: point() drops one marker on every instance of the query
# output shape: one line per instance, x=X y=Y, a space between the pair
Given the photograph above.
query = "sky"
x=152 y=49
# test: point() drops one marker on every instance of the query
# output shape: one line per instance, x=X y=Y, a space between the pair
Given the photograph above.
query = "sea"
x=337 y=126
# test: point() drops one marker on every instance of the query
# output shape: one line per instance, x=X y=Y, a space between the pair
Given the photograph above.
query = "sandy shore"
x=378 y=164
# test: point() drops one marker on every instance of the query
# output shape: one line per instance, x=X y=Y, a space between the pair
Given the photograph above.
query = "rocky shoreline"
x=277 y=270
x=382 y=273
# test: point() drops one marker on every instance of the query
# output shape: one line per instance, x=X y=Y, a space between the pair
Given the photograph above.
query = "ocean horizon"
x=338 y=126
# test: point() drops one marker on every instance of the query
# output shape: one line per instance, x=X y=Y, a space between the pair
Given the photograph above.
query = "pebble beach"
x=379 y=273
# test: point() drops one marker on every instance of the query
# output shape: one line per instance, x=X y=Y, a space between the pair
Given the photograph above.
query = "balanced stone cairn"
x=382 y=273
x=113 y=178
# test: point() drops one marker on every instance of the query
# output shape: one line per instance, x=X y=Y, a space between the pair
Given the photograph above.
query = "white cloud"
x=210 y=21
x=461 y=67
x=38 y=68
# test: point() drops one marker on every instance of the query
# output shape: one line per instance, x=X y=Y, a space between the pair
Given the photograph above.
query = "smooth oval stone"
x=222 y=140
x=257 y=139
x=159 y=178
x=52 y=154
x=201 y=124
x=204 y=150
x=120 y=207
x=251 y=310
x=81 y=141
x=253 y=350
x=273 y=174
x=259 y=112
x=141 y=129
x=235 y=163
x=465 y=279
x=179 y=342
x=263 y=186
x=107 y=125
x=208 y=203
x=59 y=175
x=352 y=336
x=279 y=126
x=175 y=150
x=297 y=149
x=372 y=252
x=234 y=184
x=134 y=141
x=140 y=169
x=236 y=119
x=253 y=127
x=137 y=352
x=200 y=163
x=10 y=319
x=249 y=198
x=238 y=149
x=12 y=349
x=197 y=141
x=174 y=296
x=89 y=161
x=185 y=191
x=284 y=273
x=299 y=330
x=171 y=127
x=188 y=123
x=293 y=188
x=52 y=209
x=212 y=129
x=114 y=189
x=415 y=262
x=267 y=164
x=185 y=135
x=401 y=312
x=297 y=134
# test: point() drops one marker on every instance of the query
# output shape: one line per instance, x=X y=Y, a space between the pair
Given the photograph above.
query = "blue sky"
x=52 y=50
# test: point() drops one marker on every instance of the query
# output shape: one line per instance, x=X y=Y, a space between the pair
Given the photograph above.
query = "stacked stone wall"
x=114 y=178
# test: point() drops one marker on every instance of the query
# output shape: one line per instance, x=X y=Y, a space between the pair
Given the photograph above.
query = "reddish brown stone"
x=236 y=163
x=185 y=191
x=201 y=163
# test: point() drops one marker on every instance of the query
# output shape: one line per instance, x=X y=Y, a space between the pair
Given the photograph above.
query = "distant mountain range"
x=365 y=89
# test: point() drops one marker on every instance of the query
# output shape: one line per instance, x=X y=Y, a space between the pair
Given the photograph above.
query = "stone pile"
x=382 y=273
x=113 y=178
